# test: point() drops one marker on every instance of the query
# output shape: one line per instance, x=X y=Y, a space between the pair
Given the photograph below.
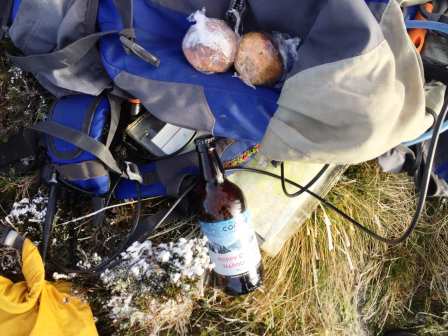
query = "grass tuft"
x=350 y=284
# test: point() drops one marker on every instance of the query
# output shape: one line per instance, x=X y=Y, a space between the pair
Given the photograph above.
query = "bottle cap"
x=134 y=101
x=135 y=106
x=203 y=143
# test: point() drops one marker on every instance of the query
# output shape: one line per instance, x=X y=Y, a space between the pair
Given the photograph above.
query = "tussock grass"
x=331 y=279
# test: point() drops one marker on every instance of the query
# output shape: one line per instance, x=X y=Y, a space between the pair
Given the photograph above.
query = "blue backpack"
x=58 y=41
x=66 y=61
x=175 y=92
x=79 y=132
x=75 y=125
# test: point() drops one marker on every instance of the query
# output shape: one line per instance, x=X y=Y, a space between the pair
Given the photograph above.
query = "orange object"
x=418 y=35
x=134 y=100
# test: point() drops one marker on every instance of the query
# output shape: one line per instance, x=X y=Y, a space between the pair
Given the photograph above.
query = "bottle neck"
x=211 y=166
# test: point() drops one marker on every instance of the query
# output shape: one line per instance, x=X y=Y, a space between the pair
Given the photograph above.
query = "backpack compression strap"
x=75 y=51
x=87 y=143
x=80 y=140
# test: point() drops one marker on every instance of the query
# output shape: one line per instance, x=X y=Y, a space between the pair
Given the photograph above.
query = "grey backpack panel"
x=343 y=29
x=285 y=15
x=85 y=76
x=42 y=29
x=73 y=26
x=42 y=26
x=355 y=109
x=35 y=28
x=184 y=102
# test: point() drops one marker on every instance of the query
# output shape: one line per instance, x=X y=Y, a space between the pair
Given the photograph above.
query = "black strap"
x=145 y=228
x=127 y=35
x=141 y=231
x=173 y=171
x=91 y=15
x=235 y=14
x=97 y=204
x=80 y=140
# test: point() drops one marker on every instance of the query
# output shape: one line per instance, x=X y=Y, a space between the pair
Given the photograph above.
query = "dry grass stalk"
x=360 y=286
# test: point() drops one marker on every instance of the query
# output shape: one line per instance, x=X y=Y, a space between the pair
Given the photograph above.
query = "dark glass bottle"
x=134 y=106
x=224 y=220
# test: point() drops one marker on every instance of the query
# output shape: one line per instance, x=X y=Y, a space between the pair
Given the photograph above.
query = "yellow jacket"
x=39 y=308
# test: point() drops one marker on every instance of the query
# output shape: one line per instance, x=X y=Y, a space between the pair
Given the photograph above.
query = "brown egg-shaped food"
x=210 y=45
x=258 y=61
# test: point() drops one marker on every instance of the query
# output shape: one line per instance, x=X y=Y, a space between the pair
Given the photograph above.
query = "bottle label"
x=232 y=243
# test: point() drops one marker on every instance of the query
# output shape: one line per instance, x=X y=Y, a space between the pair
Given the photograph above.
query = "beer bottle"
x=224 y=220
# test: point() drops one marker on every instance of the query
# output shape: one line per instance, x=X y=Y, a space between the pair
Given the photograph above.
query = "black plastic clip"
x=235 y=14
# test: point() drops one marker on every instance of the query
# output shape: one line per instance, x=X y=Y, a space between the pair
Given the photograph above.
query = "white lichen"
x=31 y=210
x=156 y=285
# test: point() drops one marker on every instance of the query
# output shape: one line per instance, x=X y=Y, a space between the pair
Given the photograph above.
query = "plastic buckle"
x=133 y=172
x=49 y=174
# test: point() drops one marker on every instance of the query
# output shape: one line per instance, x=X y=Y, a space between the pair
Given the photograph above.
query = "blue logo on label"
x=224 y=236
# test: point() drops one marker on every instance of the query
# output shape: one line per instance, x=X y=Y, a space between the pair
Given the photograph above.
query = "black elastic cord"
x=423 y=188
x=112 y=191
x=306 y=187
x=124 y=245
x=112 y=261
